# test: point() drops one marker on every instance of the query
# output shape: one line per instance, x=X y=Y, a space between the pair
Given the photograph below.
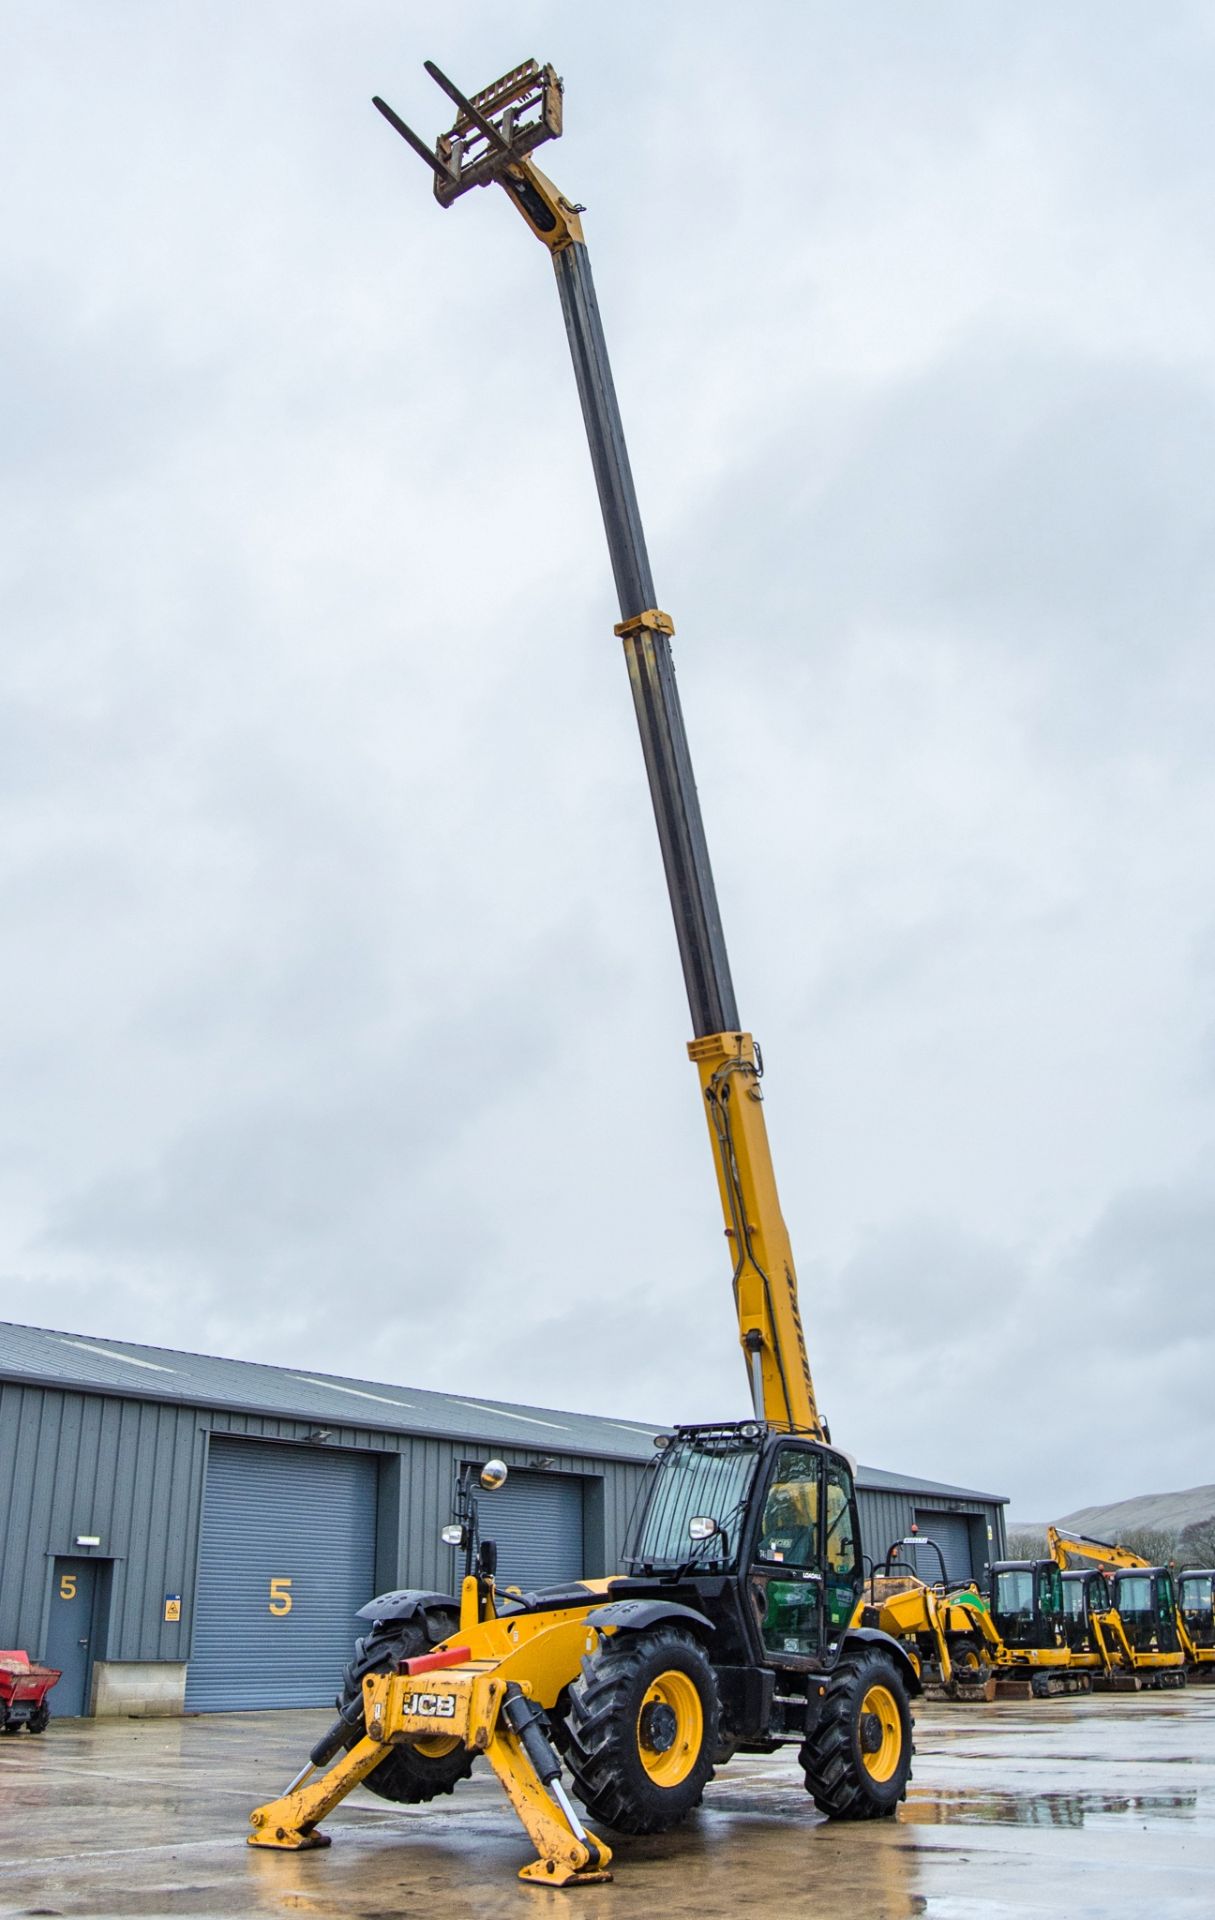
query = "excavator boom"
x=490 y=143
x=1063 y=1545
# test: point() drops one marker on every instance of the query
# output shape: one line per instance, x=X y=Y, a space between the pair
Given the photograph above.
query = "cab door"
x=1167 y=1637
x=785 y=1580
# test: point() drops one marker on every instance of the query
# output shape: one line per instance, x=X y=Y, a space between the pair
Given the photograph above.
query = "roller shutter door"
x=536 y=1519
x=951 y=1531
x=287 y=1557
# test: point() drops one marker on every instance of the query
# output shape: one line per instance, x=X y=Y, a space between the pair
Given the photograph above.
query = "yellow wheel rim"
x=436 y=1746
x=670 y=1728
x=881 y=1732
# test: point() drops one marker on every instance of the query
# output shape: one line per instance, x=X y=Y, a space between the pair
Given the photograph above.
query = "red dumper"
x=24 y=1686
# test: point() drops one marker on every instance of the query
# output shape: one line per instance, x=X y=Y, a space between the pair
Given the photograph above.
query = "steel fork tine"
x=407 y=133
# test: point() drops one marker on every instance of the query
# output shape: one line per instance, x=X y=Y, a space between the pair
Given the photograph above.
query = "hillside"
x=1163 y=1512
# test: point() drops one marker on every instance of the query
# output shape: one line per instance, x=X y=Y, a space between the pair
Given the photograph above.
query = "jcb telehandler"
x=730 y=1628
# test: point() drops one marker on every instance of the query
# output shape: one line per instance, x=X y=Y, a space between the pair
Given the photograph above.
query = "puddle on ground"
x=1045 y=1809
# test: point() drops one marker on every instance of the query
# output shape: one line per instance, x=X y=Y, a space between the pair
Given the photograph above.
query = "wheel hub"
x=658 y=1726
x=871 y=1733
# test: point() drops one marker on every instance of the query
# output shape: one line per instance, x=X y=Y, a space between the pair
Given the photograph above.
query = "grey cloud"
x=338 y=978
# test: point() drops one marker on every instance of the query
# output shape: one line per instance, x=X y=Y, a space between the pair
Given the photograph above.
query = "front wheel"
x=420 y=1769
x=642 y=1730
x=857 y=1762
x=971 y=1667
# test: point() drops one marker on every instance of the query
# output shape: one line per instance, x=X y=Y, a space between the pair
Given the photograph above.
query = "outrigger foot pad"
x=550 y=1873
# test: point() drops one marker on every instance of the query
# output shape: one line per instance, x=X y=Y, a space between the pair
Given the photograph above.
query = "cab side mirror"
x=703 y=1527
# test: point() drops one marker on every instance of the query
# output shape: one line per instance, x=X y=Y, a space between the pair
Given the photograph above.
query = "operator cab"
x=1196 y=1602
x=1027 y=1603
x=778 y=1514
x=1085 y=1592
x=1147 y=1606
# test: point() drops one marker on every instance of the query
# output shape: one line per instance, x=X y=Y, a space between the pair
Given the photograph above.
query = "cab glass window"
x=1015 y=1592
x=841 y=1547
x=788 y=1532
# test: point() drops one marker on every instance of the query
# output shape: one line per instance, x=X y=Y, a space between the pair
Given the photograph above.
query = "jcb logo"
x=431 y=1706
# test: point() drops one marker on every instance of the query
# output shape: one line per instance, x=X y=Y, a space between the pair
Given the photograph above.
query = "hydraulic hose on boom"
x=494 y=133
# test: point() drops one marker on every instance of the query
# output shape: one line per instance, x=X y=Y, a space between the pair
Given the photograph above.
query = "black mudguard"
x=874 y=1637
x=404 y=1603
x=633 y=1616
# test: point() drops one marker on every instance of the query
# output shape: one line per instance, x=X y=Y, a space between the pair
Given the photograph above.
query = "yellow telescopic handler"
x=730 y=1628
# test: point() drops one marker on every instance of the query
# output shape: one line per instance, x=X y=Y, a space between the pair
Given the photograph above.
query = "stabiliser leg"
x=290 y=1823
x=522 y=1756
x=499 y=1719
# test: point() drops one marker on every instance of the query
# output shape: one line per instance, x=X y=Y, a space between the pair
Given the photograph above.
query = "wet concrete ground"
x=1077 y=1807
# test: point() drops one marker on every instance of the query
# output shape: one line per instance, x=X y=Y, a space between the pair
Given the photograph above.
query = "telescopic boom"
x=489 y=143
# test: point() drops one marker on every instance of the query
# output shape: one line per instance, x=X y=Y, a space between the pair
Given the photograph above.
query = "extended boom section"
x=490 y=143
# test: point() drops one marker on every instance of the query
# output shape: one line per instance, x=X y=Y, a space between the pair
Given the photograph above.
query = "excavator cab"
x=1086 y=1593
x=1196 y=1604
x=1027 y=1607
x=1146 y=1602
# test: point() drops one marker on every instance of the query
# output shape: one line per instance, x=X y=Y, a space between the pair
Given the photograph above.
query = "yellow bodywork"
x=1114 y=1651
x=926 y=1621
x=543 y=1653
x=765 y=1284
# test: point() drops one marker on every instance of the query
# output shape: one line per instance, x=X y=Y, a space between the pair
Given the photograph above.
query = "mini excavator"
x=731 y=1628
x=1133 y=1633
x=971 y=1646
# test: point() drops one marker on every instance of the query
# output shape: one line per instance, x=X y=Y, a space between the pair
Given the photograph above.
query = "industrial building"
x=181 y=1533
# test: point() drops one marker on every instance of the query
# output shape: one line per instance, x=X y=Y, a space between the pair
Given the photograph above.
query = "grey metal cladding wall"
x=83 y=1463
x=132 y=1471
x=886 y=1515
x=428 y=1470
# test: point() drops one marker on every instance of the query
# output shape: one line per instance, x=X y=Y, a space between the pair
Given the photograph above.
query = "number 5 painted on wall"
x=280 y=1597
x=67 y=1586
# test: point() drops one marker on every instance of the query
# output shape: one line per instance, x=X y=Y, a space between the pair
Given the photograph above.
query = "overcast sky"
x=342 y=1024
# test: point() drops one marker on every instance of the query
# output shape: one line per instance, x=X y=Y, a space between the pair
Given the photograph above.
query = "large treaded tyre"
x=642 y=1729
x=409 y=1775
x=971 y=1667
x=857 y=1762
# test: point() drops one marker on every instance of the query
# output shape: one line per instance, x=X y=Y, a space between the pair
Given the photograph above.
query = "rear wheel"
x=857 y=1762
x=642 y=1730
x=424 y=1768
